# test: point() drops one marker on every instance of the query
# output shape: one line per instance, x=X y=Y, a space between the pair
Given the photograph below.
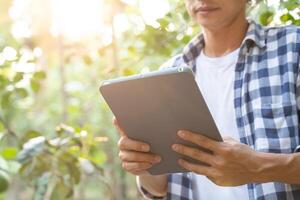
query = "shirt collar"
x=255 y=35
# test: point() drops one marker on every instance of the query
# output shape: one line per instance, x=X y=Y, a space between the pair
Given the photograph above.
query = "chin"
x=208 y=23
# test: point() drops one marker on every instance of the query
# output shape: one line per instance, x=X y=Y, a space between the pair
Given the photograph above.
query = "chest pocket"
x=275 y=127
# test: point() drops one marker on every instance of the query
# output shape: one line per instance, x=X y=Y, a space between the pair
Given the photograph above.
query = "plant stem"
x=7 y=127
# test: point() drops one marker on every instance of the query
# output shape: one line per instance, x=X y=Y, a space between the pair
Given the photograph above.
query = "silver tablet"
x=152 y=107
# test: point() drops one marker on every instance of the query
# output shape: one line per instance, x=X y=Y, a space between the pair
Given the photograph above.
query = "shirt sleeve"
x=298 y=95
x=176 y=61
x=145 y=193
x=298 y=109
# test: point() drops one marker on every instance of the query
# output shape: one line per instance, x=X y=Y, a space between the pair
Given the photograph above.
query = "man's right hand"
x=137 y=159
x=135 y=155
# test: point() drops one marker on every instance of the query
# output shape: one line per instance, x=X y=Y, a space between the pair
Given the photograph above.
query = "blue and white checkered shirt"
x=266 y=102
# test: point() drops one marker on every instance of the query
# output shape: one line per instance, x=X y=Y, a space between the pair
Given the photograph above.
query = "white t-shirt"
x=215 y=78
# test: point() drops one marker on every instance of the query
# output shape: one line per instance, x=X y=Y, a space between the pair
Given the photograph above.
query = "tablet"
x=152 y=107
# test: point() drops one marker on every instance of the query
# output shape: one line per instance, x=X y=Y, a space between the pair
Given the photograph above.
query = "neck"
x=221 y=41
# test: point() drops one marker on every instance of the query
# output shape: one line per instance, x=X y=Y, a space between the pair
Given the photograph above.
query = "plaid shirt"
x=266 y=102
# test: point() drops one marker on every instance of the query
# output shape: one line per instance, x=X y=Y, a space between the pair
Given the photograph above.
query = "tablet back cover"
x=153 y=107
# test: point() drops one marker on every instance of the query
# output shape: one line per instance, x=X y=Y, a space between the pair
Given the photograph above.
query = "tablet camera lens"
x=180 y=69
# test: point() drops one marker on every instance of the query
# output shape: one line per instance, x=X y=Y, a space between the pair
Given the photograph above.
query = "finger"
x=131 y=156
x=140 y=172
x=117 y=125
x=193 y=153
x=228 y=139
x=136 y=166
x=126 y=143
x=200 y=140
x=199 y=169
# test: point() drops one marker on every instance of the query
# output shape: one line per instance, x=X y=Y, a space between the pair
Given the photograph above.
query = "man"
x=249 y=77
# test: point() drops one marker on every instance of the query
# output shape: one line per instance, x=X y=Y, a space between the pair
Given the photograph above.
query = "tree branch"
x=7 y=127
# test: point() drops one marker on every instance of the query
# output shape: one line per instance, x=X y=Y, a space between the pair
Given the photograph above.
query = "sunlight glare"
x=153 y=10
x=121 y=23
x=20 y=28
x=273 y=2
x=76 y=19
x=9 y=53
x=129 y=2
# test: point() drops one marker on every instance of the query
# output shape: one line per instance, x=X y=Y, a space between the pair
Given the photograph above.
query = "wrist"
x=272 y=167
x=154 y=184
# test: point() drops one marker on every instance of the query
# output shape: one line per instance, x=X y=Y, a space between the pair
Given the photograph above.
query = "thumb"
x=117 y=125
x=228 y=139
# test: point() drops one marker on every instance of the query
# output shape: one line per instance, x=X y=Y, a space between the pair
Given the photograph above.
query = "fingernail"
x=157 y=159
x=146 y=148
x=181 y=133
x=175 y=147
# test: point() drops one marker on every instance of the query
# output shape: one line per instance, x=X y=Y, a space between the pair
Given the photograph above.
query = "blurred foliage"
x=59 y=162
x=47 y=82
x=287 y=13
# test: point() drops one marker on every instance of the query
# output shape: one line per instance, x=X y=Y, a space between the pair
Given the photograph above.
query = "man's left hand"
x=230 y=164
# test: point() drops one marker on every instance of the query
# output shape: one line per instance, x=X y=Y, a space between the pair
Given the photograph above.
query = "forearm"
x=279 y=168
x=156 y=185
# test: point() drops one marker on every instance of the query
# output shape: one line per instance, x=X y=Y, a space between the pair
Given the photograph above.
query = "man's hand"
x=137 y=159
x=135 y=155
x=231 y=163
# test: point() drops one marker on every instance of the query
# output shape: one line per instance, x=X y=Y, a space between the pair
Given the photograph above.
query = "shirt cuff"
x=297 y=149
x=145 y=193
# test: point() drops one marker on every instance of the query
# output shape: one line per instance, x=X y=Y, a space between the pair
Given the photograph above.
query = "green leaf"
x=9 y=153
x=26 y=169
x=132 y=49
x=296 y=22
x=21 y=92
x=4 y=181
x=18 y=77
x=74 y=172
x=61 y=192
x=38 y=165
x=186 y=15
x=5 y=101
x=35 y=85
x=31 y=134
x=98 y=157
x=163 y=22
x=87 y=60
x=186 y=39
x=290 y=4
x=39 y=75
x=266 y=18
x=67 y=157
x=1 y=127
x=74 y=150
x=3 y=81
x=286 y=17
x=128 y=72
x=101 y=51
